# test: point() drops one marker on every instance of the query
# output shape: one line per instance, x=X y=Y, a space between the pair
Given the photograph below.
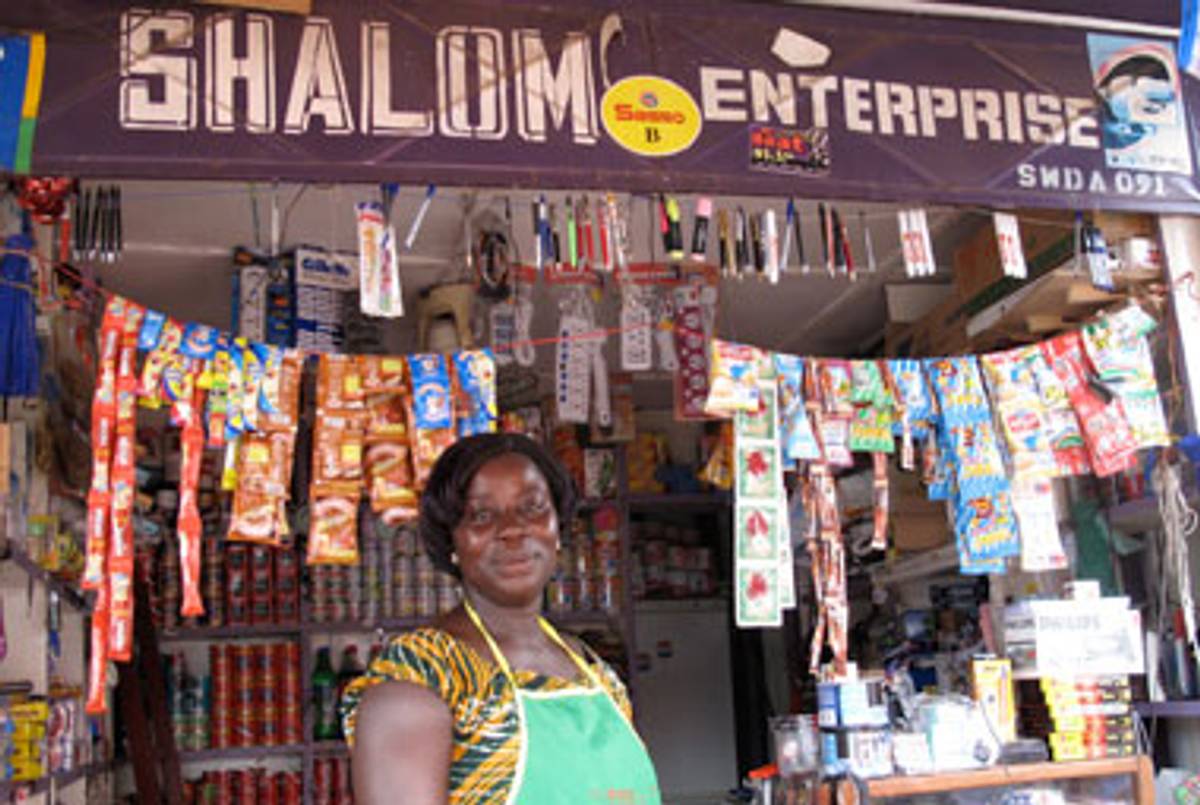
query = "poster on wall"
x=1143 y=125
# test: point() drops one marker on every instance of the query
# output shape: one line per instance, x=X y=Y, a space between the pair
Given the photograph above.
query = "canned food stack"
x=417 y=589
x=606 y=547
x=588 y=576
x=331 y=781
x=189 y=715
x=244 y=786
x=256 y=695
x=237 y=584
x=668 y=562
x=62 y=733
x=212 y=580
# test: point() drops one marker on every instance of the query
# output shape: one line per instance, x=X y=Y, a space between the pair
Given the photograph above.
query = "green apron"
x=576 y=745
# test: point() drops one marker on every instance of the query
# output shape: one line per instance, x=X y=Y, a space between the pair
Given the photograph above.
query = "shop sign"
x=700 y=96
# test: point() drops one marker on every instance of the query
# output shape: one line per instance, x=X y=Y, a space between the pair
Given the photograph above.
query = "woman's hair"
x=444 y=500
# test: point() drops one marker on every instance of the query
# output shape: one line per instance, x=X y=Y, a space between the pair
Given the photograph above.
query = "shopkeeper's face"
x=506 y=542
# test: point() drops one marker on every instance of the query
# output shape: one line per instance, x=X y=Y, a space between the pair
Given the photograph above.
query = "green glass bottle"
x=324 y=691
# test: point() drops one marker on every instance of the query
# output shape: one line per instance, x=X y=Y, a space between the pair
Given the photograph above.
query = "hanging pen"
x=589 y=248
x=826 y=238
x=741 y=249
x=725 y=246
x=801 y=254
x=847 y=252
x=673 y=240
x=421 y=212
x=789 y=218
x=602 y=226
x=757 y=245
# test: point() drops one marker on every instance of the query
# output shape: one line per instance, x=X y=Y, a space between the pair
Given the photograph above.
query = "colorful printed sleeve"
x=424 y=657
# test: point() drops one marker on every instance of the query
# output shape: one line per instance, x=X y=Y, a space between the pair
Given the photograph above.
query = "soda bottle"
x=325 y=701
x=347 y=673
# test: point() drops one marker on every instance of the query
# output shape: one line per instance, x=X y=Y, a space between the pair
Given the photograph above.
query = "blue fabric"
x=14 y=67
x=18 y=339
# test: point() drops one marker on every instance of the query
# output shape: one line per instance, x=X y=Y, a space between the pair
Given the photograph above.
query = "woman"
x=490 y=705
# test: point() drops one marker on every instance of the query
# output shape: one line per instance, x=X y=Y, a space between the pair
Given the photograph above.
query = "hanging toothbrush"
x=867 y=244
x=770 y=240
x=756 y=244
x=700 y=229
x=744 y=258
x=725 y=247
x=604 y=233
x=844 y=253
x=789 y=219
x=420 y=218
x=826 y=239
x=672 y=231
x=572 y=242
x=589 y=247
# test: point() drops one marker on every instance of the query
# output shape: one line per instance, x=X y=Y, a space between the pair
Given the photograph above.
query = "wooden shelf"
x=1184 y=708
x=997 y=776
x=196 y=634
x=60 y=780
x=68 y=593
x=389 y=625
x=691 y=500
x=591 y=504
x=1055 y=301
x=240 y=753
x=329 y=748
x=1142 y=514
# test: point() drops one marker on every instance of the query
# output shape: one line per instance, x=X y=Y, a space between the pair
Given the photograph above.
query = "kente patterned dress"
x=483 y=760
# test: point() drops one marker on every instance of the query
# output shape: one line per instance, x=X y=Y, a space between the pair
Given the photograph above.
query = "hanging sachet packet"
x=169 y=340
x=836 y=385
x=732 y=378
x=1110 y=442
x=912 y=392
x=475 y=371
x=871 y=430
x=1020 y=412
x=1118 y=348
x=978 y=466
x=432 y=408
x=987 y=532
x=799 y=441
x=1063 y=432
x=867 y=384
x=959 y=389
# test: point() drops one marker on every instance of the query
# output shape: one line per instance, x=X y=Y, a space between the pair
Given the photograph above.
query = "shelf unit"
x=67 y=593
x=1183 y=708
x=58 y=781
x=249 y=753
x=309 y=632
x=1139 y=768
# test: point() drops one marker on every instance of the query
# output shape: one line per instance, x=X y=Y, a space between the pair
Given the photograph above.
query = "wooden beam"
x=303 y=7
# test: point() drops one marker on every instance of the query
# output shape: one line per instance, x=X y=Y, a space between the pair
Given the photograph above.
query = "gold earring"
x=453 y=557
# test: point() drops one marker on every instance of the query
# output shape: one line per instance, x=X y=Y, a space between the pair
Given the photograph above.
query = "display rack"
x=308 y=631
x=1139 y=768
x=56 y=781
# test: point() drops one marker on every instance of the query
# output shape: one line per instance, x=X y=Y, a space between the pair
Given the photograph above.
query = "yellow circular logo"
x=650 y=116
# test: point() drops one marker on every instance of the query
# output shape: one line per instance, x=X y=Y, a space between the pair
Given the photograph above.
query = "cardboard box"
x=992 y=688
x=920 y=532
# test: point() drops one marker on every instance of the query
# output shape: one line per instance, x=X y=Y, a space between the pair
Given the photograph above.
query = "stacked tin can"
x=237 y=584
x=212 y=580
x=220 y=671
x=245 y=786
x=331 y=781
x=287 y=585
x=606 y=546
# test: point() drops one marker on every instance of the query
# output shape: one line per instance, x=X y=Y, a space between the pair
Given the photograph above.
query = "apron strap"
x=550 y=631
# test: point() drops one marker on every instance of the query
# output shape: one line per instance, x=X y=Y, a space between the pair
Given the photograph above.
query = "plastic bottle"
x=325 y=701
x=349 y=670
